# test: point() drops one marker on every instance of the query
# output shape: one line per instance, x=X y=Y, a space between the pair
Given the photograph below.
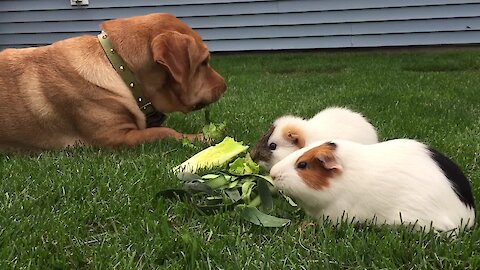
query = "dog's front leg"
x=134 y=137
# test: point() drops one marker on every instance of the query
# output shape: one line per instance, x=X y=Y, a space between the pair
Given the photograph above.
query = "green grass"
x=91 y=208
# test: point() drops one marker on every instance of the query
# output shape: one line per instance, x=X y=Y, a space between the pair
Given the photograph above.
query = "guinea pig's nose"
x=274 y=173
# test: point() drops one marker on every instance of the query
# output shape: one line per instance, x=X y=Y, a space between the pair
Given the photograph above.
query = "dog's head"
x=170 y=60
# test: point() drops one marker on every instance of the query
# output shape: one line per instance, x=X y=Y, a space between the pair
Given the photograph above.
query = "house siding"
x=243 y=25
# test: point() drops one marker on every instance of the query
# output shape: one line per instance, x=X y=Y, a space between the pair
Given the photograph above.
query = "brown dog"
x=68 y=93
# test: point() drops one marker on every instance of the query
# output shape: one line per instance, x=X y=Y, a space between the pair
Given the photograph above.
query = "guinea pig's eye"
x=272 y=146
x=302 y=165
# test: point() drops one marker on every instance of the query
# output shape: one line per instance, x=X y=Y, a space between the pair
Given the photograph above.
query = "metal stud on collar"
x=154 y=118
x=144 y=107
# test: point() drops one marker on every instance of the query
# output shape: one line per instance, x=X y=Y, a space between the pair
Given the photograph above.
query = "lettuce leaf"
x=213 y=156
x=214 y=132
x=243 y=166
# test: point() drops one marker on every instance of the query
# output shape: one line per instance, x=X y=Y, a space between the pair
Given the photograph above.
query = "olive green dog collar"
x=154 y=118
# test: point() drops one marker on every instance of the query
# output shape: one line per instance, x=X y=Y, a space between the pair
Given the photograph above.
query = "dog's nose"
x=224 y=88
x=218 y=91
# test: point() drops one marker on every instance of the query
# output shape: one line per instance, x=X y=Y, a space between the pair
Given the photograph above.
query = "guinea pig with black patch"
x=290 y=133
x=395 y=182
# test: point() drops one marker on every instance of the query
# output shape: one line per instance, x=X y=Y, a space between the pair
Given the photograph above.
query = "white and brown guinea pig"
x=290 y=133
x=388 y=182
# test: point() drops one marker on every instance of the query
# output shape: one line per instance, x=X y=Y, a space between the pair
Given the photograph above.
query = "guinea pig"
x=290 y=133
x=392 y=182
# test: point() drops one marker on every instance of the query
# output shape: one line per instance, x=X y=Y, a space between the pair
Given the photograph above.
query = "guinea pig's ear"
x=329 y=162
x=325 y=153
x=295 y=138
x=173 y=51
x=317 y=166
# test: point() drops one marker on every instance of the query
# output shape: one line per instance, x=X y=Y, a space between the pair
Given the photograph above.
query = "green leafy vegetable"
x=214 y=132
x=265 y=194
x=236 y=186
x=213 y=156
x=188 y=177
x=234 y=195
x=254 y=215
x=247 y=188
x=244 y=165
x=187 y=143
x=217 y=182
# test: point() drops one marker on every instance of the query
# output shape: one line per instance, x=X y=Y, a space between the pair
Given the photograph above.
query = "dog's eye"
x=272 y=146
x=302 y=165
x=205 y=62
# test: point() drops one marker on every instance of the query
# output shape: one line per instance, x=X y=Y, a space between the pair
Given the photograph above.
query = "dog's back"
x=31 y=89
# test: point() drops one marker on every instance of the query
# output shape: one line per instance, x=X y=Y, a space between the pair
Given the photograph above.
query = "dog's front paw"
x=195 y=137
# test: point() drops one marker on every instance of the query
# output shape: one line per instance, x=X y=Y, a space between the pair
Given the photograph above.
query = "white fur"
x=341 y=123
x=330 y=123
x=378 y=182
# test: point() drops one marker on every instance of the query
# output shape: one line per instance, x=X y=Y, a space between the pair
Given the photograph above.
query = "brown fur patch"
x=262 y=150
x=318 y=171
x=293 y=134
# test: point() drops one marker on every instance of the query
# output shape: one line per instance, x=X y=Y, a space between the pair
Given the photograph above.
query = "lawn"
x=96 y=208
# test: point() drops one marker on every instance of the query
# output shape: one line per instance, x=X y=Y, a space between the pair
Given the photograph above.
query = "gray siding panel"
x=45 y=33
x=346 y=41
x=29 y=5
x=258 y=24
x=236 y=15
x=282 y=5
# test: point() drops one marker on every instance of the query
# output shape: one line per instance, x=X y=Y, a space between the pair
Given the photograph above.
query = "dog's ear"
x=174 y=50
